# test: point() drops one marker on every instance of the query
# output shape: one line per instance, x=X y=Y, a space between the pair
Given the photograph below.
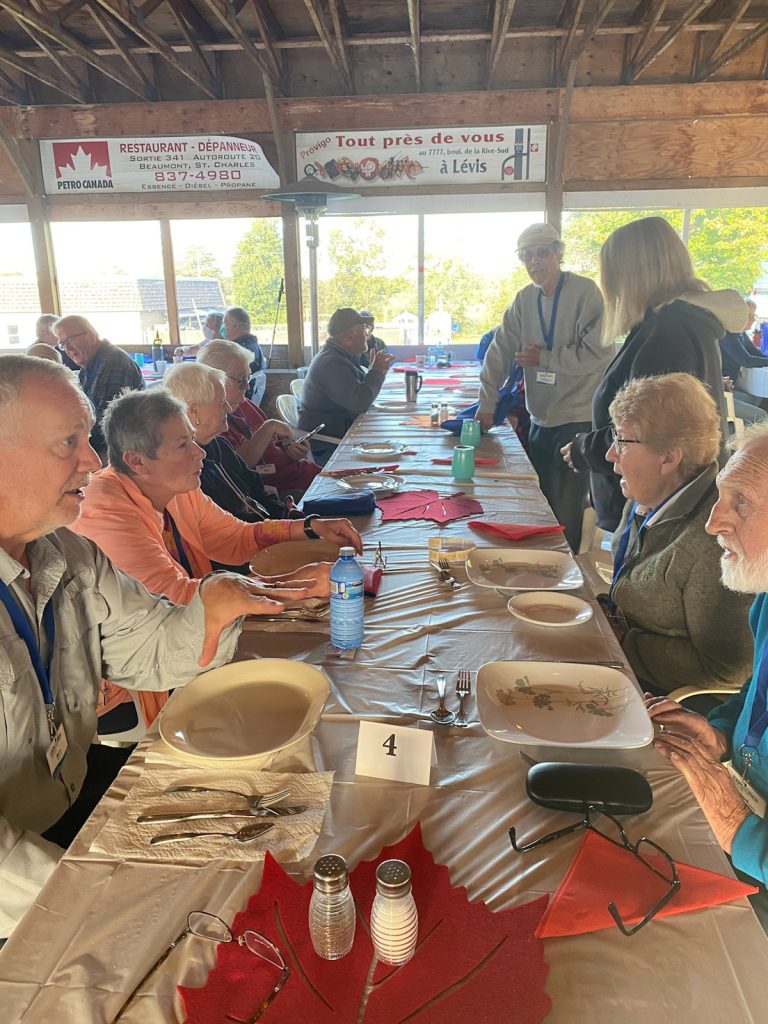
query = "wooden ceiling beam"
x=268 y=62
x=340 y=24
x=499 y=35
x=601 y=12
x=203 y=66
x=734 y=51
x=337 y=55
x=148 y=7
x=43 y=23
x=78 y=89
x=67 y=10
x=196 y=21
x=12 y=91
x=569 y=42
x=57 y=82
x=122 y=11
x=267 y=25
x=109 y=27
x=414 y=24
x=719 y=43
x=642 y=60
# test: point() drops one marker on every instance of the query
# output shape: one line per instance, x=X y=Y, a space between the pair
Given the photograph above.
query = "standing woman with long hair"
x=674 y=321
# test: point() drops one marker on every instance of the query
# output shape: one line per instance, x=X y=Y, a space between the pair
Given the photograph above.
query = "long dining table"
x=101 y=920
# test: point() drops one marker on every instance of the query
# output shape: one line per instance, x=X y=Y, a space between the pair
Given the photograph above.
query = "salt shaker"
x=331 y=909
x=443 y=412
x=434 y=414
x=394 y=918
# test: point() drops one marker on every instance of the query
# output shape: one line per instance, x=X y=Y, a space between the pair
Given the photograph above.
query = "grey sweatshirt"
x=578 y=357
x=336 y=390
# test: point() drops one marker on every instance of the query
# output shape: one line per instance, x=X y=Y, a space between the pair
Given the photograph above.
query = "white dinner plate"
x=377 y=482
x=510 y=569
x=375 y=449
x=244 y=711
x=393 y=406
x=561 y=704
x=549 y=608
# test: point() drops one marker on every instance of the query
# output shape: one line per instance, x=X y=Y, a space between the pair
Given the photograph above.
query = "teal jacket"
x=750 y=845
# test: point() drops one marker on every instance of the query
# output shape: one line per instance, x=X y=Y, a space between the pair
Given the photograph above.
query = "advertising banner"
x=425 y=156
x=163 y=164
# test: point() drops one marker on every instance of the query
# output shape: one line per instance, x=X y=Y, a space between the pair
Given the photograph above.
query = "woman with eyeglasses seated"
x=677 y=623
x=225 y=478
x=673 y=320
x=260 y=442
x=146 y=511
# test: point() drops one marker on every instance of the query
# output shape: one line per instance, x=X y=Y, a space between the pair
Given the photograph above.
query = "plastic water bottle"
x=347 y=607
x=439 y=354
x=394 y=918
x=157 y=350
x=331 y=909
x=431 y=356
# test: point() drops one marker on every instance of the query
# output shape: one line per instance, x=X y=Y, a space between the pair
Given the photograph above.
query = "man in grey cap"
x=371 y=341
x=337 y=389
x=552 y=329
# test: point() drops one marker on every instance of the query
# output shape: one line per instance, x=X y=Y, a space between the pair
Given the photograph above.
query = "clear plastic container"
x=347 y=605
x=331 y=909
x=394 y=917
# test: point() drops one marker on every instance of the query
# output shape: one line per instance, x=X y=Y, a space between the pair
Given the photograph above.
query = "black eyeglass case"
x=574 y=787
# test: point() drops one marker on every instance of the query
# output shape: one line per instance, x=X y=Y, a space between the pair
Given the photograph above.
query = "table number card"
x=394 y=752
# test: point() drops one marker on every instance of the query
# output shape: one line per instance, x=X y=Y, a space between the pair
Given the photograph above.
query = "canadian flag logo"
x=76 y=160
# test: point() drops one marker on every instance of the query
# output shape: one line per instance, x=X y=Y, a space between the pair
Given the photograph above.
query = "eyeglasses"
x=649 y=853
x=541 y=252
x=208 y=926
x=619 y=442
x=65 y=341
x=242 y=382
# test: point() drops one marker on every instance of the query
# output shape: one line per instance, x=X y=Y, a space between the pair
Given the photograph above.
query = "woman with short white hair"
x=677 y=623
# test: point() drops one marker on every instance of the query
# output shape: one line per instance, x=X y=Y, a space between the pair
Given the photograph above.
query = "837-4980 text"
x=170 y=176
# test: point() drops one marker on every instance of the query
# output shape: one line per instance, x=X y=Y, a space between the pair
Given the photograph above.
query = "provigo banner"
x=165 y=164
x=425 y=156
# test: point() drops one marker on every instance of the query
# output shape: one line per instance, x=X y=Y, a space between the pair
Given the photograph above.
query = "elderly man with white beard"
x=733 y=795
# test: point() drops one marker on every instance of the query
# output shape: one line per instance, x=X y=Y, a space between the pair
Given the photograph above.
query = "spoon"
x=247 y=834
x=442 y=715
x=254 y=799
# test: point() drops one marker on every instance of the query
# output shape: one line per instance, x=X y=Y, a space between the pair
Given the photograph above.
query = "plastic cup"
x=470 y=433
x=463 y=464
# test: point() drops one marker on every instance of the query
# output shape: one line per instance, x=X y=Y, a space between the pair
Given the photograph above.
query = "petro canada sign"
x=162 y=164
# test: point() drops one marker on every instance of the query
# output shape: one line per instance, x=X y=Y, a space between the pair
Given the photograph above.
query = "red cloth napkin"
x=447 y=382
x=496 y=971
x=513 y=531
x=478 y=462
x=427 y=504
x=371 y=579
x=603 y=872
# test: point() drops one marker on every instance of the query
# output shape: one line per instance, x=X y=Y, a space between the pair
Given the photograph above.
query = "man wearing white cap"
x=552 y=329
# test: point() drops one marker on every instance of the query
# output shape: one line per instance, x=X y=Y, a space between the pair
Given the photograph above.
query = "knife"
x=254 y=812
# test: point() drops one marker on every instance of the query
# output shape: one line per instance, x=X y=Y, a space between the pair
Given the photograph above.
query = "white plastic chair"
x=730 y=408
x=122 y=739
x=297 y=386
x=288 y=409
x=259 y=387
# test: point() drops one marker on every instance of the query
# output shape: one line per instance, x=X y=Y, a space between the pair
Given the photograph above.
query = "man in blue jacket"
x=738 y=354
x=733 y=795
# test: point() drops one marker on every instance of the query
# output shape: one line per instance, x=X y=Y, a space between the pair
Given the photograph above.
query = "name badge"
x=56 y=751
x=546 y=377
x=754 y=801
x=394 y=752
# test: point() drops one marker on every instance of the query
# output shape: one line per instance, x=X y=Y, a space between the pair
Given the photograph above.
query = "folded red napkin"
x=500 y=965
x=371 y=580
x=603 y=872
x=478 y=462
x=427 y=504
x=512 y=531
x=447 y=382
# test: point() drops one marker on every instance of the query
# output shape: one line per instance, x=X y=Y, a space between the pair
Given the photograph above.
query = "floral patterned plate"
x=561 y=704
x=512 y=569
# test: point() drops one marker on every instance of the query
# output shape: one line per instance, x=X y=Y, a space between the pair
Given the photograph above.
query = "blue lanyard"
x=758 y=716
x=179 y=546
x=620 y=559
x=26 y=633
x=548 y=333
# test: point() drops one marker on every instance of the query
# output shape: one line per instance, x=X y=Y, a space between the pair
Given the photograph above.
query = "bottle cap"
x=330 y=873
x=346 y=552
x=393 y=878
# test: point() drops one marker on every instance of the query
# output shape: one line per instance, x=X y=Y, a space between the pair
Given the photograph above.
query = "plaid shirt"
x=109 y=372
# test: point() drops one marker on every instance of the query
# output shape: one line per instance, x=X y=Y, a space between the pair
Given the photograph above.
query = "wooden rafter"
x=642 y=60
x=196 y=21
x=122 y=11
x=502 y=14
x=267 y=62
x=337 y=55
x=67 y=10
x=268 y=28
x=566 y=50
x=78 y=89
x=414 y=23
x=50 y=78
x=764 y=69
x=647 y=14
x=747 y=40
x=194 y=47
x=109 y=27
x=12 y=91
x=719 y=43
x=340 y=25
x=44 y=24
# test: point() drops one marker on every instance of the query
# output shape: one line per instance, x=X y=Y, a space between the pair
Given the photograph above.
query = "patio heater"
x=311 y=198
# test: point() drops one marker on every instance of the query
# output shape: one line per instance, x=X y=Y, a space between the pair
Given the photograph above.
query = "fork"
x=446 y=576
x=463 y=689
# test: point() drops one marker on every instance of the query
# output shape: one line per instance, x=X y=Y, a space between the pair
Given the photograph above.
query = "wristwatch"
x=308 y=528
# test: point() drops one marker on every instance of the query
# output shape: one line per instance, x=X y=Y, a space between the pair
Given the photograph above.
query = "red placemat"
x=603 y=872
x=513 y=531
x=428 y=504
x=471 y=965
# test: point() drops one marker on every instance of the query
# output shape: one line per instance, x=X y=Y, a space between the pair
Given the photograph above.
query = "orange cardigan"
x=118 y=517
